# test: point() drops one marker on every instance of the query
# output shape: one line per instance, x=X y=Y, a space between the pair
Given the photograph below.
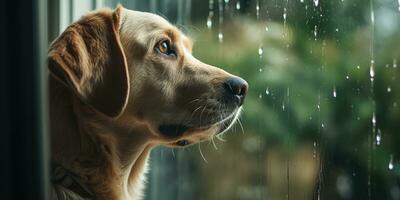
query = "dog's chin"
x=177 y=131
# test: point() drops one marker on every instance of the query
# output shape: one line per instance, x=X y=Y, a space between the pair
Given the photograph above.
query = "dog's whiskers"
x=241 y=125
x=195 y=110
x=201 y=153
x=201 y=114
x=194 y=100
x=213 y=142
x=219 y=137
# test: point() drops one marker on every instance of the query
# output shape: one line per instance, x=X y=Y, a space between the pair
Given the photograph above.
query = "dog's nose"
x=236 y=87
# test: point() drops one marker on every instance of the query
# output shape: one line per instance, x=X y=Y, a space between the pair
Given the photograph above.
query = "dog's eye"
x=164 y=47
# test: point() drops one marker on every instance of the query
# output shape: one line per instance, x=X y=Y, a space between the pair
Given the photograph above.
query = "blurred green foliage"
x=314 y=53
x=308 y=117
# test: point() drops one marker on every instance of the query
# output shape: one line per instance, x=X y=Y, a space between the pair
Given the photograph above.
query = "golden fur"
x=110 y=92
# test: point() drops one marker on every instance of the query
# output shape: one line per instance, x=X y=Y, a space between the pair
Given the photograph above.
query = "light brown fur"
x=110 y=91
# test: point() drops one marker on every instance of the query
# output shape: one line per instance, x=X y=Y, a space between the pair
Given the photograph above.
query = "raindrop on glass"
x=334 y=92
x=358 y=66
x=260 y=69
x=210 y=13
x=284 y=14
x=391 y=165
x=389 y=89
x=372 y=17
x=315 y=32
x=267 y=91
x=238 y=5
x=209 y=22
x=258 y=10
x=260 y=51
x=316 y=2
x=378 y=137
x=301 y=1
x=283 y=106
x=315 y=149
x=220 y=37
x=373 y=120
x=371 y=69
x=347 y=77
x=395 y=61
x=399 y=4
x=337 y=30
x=266 y=28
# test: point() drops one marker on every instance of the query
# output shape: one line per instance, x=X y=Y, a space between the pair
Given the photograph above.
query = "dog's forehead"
x=137 y=18
x=135 y=23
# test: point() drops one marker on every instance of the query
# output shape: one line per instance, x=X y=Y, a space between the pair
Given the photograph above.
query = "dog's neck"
x=110 y=159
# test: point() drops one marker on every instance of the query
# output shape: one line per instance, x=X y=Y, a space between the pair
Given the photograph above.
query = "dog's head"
x=138 y=70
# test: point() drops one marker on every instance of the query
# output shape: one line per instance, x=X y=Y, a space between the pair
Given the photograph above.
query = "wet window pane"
x=321 y=120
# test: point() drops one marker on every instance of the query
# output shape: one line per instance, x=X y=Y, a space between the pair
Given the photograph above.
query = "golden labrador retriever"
x=122 y=82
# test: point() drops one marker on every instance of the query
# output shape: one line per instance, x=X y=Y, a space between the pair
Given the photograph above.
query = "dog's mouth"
x=177 y=131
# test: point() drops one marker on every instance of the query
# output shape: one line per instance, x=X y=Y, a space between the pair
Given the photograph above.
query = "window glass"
x=321 y=120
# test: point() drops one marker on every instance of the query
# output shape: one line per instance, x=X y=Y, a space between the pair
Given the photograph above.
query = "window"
x=322 y=117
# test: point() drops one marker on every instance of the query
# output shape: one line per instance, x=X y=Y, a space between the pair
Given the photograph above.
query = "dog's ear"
x=88 y=58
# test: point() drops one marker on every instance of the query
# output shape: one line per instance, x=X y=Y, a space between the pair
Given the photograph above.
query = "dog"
x=122 y=82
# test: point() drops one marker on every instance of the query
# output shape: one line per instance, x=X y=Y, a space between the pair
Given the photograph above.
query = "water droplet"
x=394 y=60
x=283 y=106
x=315 y=149
x=399 y=4
x=210 y=13
x=301 y=1
x=284 y=14
x=334 y=92
x=260 y=51
x=372 y=17
x=337 y=30
x=220 y=37
x=323 y=125
x=266 y=28
x=260 y=69
x=209 y=22
x=238 y=5
x=316 y=2
x=347 y=77
x=358 y=66
x=371 y=69
x=260 y=96
x=373 y=120
x=391 y=165
x=315 y=32
x=318 y=107
x=267 y=91
x=226 y=1
x=389 y=89
x=378 y=137
x=258 y=10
